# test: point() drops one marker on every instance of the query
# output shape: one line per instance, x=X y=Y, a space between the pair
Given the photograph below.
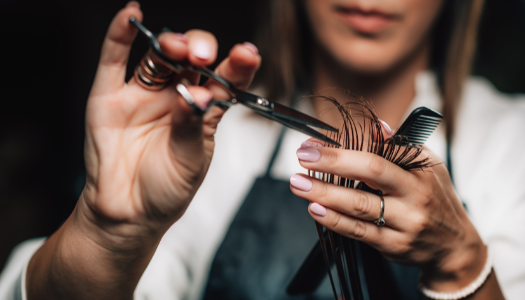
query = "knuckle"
x=336 y=220
x=362 y=205
x=330 y=157
x=426 y=198
x=377 y=165
x=359 y=229
x=401 y=248
x=420 y=223
x=323 y=192
x=201 y=34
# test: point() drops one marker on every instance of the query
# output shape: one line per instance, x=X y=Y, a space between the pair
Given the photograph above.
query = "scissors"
x=272 y=110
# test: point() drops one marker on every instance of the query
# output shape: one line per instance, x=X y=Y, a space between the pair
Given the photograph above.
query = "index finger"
x=377 y=172
x=238 y=68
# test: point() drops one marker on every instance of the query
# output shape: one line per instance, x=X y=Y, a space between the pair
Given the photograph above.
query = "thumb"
x=186 y=143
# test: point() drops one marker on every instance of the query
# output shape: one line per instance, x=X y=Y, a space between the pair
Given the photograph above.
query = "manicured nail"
x=300 y=182
x=251 y=47
x=133 y=3
x=318 y=209
x=308 y=154
x=181 y=37
x=387 y=128
x=201 y=49
x=307 y=144
x=202 y=98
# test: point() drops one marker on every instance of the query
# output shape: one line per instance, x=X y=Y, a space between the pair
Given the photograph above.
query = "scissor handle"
x=177 y=66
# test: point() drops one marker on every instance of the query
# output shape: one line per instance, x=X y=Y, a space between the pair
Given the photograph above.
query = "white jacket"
x=489 y=171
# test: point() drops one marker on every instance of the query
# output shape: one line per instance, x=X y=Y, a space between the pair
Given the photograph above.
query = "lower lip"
x=368 y=24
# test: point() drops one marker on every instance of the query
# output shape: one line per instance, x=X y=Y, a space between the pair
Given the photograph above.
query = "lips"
x=367 y=21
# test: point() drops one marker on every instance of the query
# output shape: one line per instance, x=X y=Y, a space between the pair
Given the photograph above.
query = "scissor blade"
x=262 y=104
x=290 y=113
x=299 y=127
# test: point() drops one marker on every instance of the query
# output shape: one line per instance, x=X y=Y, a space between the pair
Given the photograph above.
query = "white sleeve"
x=13 y=276
x=165 y=277
x=491 y=180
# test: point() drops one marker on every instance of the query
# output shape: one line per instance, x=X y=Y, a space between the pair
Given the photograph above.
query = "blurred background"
x=50 y=51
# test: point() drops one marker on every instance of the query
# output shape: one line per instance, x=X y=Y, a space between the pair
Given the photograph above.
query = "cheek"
x=417 y=26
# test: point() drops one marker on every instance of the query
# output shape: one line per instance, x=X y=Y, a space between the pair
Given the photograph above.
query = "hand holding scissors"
x=146 y=154
x=149 y=75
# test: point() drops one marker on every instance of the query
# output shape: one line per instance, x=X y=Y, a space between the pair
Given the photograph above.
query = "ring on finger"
x=151 y=73
x=381 y=221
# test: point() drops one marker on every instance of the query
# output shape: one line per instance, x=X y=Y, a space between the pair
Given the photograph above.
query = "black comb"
x=418 y=127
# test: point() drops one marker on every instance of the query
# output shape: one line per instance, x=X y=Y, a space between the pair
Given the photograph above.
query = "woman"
x=146 y=156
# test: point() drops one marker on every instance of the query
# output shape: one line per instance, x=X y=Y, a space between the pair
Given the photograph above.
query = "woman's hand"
x=426 y=224
x=146 y=155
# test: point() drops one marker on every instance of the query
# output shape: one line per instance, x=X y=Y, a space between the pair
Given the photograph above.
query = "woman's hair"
x=284 y=40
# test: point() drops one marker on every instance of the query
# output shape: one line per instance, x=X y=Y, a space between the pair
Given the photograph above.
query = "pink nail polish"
x=251 y=47
x=308 y=154
x=181 y=37
x=300 y=182
x=318 y=209
x=202 y=50
x=133 y=3
x=387 y=128
x=307 y=144
x=202 y=99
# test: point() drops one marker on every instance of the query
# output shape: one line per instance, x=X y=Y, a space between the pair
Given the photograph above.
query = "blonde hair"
x=284 y=33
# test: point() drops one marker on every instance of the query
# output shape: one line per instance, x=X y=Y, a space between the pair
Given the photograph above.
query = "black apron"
x=268 y=240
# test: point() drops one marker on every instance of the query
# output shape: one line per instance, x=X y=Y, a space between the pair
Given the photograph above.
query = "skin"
x=380 y=67
x=426 y=224
x=146 y=155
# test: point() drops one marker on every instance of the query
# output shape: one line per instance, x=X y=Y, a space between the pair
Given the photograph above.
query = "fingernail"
x=202 y=50
x=181 y=37
x=300 y=182
x=386 y=127
x=307 y=144
x=133 y=3
x=308 y=154
x=251 y=47
x=318 y=209
x=202 y=98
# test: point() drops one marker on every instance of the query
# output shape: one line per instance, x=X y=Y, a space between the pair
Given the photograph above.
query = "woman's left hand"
x=426 y=224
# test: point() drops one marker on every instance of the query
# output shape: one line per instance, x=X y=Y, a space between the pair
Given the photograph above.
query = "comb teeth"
x=418 y=127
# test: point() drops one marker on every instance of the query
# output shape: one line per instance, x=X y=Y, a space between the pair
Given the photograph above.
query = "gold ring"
x=151 y=73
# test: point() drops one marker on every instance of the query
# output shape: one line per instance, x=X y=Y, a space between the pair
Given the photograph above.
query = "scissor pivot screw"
x=263 y=102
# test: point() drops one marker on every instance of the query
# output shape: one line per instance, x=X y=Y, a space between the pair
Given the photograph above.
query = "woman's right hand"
x=146 y=155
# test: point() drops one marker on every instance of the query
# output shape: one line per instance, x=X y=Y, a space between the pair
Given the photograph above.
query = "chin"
x=365 y=57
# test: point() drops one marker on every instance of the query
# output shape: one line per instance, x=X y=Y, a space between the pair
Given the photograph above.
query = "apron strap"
x=449 y=163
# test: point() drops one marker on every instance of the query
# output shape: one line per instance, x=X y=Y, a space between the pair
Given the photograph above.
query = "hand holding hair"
x=425 y=224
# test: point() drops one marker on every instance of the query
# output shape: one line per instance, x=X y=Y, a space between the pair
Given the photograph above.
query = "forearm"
x=71 y=265
x=465 y=269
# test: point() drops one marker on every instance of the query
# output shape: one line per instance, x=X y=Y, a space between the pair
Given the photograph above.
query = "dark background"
x=49 y=53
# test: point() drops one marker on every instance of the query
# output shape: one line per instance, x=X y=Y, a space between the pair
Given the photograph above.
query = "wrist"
x=78 y=262
x=124 y=233
x=456 y=270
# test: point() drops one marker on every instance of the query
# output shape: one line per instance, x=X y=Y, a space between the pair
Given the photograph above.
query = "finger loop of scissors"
x=183 y=91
